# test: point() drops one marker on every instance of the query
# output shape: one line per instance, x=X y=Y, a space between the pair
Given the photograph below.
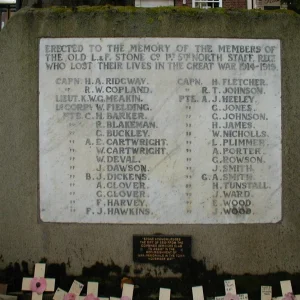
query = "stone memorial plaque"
x=160 y=130
x=160 y=249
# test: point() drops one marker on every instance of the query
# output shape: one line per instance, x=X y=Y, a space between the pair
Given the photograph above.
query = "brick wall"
x=180 y=3
x=234 y=3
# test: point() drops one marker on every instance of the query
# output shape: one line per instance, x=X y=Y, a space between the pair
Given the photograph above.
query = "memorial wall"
x=120 y=124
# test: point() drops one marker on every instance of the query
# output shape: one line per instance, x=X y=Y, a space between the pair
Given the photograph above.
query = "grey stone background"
x=236 y=249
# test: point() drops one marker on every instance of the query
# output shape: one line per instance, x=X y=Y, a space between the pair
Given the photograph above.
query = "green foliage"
x=292 y=5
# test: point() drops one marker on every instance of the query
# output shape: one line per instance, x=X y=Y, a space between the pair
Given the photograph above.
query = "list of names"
x=160 y=130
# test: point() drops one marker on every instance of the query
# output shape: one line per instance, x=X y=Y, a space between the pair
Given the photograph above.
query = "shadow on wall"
x=193 y=273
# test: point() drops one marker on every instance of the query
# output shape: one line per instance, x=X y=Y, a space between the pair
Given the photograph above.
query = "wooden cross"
x=230 y=292
x=38 y=285
x=75 y=290
x=198 y=293
x=286 y=289
x=92 y=289
x=266 y=293
x=164 y=294
x=127 y=291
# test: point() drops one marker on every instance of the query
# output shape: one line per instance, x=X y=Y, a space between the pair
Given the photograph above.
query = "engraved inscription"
x=161 y=249
x=160 y=130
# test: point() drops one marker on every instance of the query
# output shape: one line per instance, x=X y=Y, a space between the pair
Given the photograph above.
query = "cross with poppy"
x=73 y=293
x=266 y=293
x=287 y=291
x=127 y=291
x=198 y=293
x=38 y=284
x=164 y=294
x=92 y=291
x=230 y=292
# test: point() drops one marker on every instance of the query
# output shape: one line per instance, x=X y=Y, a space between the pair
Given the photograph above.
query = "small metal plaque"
x=161 y=249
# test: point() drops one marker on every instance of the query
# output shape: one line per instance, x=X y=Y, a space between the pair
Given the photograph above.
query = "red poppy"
x=38 y=285
x=230 y=296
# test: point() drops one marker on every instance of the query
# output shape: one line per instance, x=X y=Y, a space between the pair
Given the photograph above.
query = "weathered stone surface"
x=232 y=247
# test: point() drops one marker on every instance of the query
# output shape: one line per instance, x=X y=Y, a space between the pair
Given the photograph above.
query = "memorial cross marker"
x=287 y=291
x=73 y=293
x=127 y=291
x=164 y=294
x=198 y=293
x=160 y=130
x=92 y=291
x=38 y=284
x=230 y=292
x=266 y=293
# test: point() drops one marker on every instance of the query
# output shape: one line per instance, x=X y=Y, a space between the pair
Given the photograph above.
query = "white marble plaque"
x=160 y=130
